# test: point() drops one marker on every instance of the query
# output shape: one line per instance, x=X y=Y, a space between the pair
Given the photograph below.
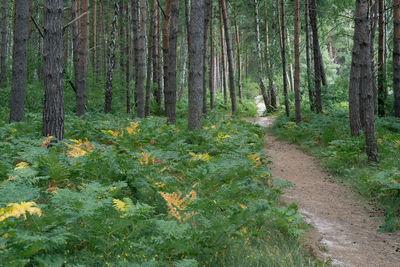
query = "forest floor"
x=344 y=228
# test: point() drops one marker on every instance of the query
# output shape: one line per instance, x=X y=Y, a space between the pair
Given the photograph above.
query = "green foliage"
x=328 y=137
x=122 y=192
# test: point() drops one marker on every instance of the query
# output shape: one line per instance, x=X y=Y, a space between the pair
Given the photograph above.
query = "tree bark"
x=297 y=60
x=101 y=42
x=196 y=61
x=141 y=60
x=3 y=55
x=311 y=95
x=53 y=113
x=381 y=60
x=149 y=60
x=111 y=61
x=365 y=85
x=212 y=59
x=223 y=70
x=83 y=60
x=238 y=54
x=156 y=58
x=170 y=68
x=396 y=57
x=373 y=23
x=283 y=54
x=231 y=63
x=135 y=31
x=207 y=4
x=317 y=57
x=20 y=61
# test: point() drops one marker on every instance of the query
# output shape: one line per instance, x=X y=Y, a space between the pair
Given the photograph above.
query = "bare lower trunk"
x=396 y=57
x=222 y=61
x=381 y=60
x=232 y=85
x=238 y=54
x=20 y=61
x=53 y=113
x=149 y=61
x=283 y=54
x=111 y=62
x=3 y=48
x=156 y=57
x=311 y=95
x=212 y=60
x=141 y=60
x=207 y=4
x=317 y=57
x=373 y=22
x=297 y=60
x=196 y=61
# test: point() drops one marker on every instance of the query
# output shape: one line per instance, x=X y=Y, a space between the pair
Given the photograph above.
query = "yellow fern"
x=19 y=209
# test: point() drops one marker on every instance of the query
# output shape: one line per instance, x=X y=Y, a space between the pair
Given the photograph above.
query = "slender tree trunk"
x=207 y=4
x=3 y=55
x=260 y=75
x=289 y=52
x=20 y=61
x=128 y=60
x=238 y=54
x=212 y=59
x=271 y=85
x=366 y=79
x=141 y=60
x=297 y=60
x=170 y=68
x=184 y=51
x=381 y=60
x=396 y=57
x=355 y=76
x=156 y=57
x=311 y=95
x=94 y=61
x=223 y=71
x=317 y=57
x=373 y=23
x=232 y=87
x=149 y=60
x=283 y=53
x=53 y=113
x=100 y=50
x=83 y=60
x=111 y=61
x=196 y=62
x=135 y=31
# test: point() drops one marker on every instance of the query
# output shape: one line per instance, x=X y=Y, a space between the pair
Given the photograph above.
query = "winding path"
x=345 y=229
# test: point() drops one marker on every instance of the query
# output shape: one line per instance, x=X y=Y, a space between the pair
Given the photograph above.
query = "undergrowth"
x=123 y=192
x=328 y=137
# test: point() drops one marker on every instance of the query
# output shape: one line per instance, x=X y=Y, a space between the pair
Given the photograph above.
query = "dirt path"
x=344 y=229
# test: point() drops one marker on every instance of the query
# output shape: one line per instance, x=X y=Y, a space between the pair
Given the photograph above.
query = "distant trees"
x=3 y=45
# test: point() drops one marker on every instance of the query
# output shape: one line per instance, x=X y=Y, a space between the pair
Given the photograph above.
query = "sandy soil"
x=344 y=229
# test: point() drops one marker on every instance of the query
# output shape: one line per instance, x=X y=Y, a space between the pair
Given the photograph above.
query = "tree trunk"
x=396 y=57
x=94 y=61
x=297 y=60
x=311 y=95
x=170 y=67
x=365 y=85
x=128 y=60
x=3 y=55
x=20 y=60
x=83 y=58
x=207 y=4
x=111 y=61
x=196 y=61
x=373 y=19
x=317 y=57
x=53 y=113
x=283 y=54
x=149 y=60
x=289 y=52
x=100 y=58
x=156 y=57
x=231 y=63
x=381 y=60
x=141 y=60
x=223 y=70
x=135 y=31
x=260 y=74
x=355 y=76
x=212 y=60
x=238 y=54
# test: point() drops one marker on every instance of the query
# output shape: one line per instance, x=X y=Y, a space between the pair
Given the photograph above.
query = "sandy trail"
x=344 y=229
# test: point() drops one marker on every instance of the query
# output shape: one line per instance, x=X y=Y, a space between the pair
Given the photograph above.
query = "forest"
x=190 y=133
